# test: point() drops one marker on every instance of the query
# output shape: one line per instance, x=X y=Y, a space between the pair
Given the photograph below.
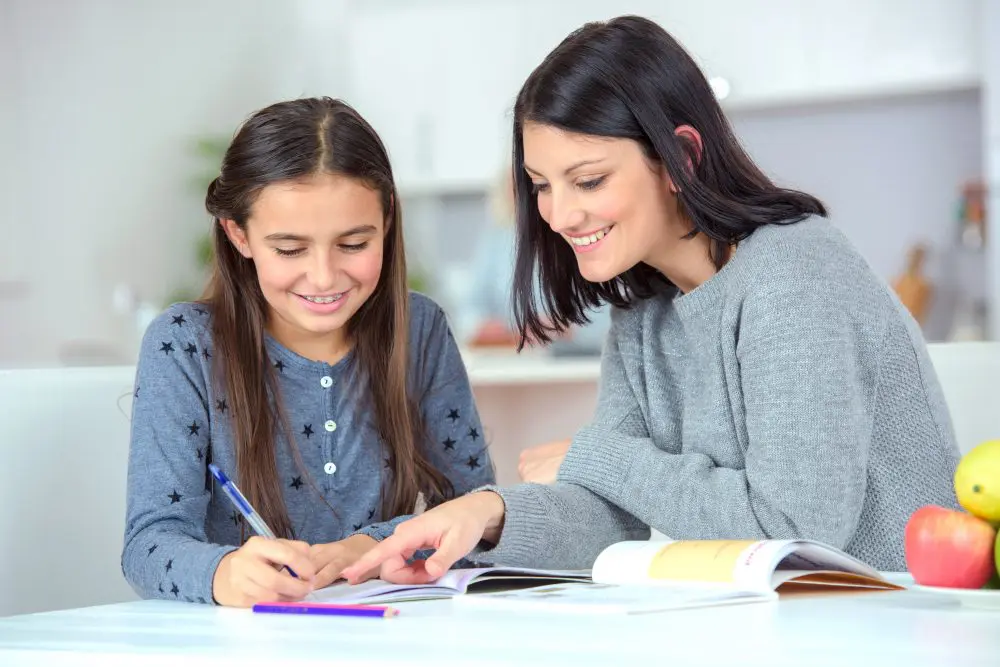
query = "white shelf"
x=528 y=368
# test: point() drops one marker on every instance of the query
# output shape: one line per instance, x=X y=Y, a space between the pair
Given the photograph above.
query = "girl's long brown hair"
x=285 y=142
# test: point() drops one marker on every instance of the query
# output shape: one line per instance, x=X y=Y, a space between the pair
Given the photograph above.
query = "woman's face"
x=602 y=195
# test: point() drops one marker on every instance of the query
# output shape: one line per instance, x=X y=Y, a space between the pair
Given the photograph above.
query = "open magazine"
x=452 y=583
x=641 y=576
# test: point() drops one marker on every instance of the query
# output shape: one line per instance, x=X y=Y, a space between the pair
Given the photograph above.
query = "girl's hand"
x=452 y=530
x=256 y=573
x=541 y=464
x=330 y=559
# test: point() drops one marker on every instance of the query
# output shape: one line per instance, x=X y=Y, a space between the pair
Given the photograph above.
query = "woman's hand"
x=331 y=558
x=541 y=464
x=452 y=530
x=256 y=573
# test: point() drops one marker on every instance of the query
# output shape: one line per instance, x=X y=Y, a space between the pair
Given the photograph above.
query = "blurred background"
x=114 y=112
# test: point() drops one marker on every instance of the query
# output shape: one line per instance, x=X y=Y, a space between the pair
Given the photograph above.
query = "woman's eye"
x=539 y=187
x=289 y=253
x=592 y=184
x=354 y=247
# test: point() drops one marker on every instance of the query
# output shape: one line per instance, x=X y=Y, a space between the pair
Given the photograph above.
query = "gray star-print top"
x=179 y=523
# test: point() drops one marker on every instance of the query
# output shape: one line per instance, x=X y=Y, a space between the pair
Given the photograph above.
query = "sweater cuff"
x=598 y=459
x=211 y=557
x=383 y=529
x=525 y=525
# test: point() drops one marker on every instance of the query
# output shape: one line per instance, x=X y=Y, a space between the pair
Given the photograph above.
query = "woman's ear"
x=691 y=141
x=691 y=138
x=237 y=237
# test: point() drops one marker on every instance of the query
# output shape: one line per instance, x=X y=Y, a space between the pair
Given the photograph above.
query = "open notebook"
x=634 y=577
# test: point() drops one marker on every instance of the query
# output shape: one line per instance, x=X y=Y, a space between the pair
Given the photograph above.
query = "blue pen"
x=247 y=510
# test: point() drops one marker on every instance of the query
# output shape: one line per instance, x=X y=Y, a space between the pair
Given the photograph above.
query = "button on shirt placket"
x=329 y=426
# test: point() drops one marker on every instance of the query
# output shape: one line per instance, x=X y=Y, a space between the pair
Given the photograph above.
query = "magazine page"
x=453 y=582
x=702 y=563
x=599 y=598
x=754 y=565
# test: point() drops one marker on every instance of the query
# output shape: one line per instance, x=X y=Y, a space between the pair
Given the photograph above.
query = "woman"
x=758 y=381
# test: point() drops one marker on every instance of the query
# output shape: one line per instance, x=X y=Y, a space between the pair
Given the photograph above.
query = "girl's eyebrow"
x=285 y=236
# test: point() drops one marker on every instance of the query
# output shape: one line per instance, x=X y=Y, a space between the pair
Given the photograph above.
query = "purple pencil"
x=324 y=609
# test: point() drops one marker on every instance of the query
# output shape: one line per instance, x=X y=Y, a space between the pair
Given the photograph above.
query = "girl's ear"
x=237 y=237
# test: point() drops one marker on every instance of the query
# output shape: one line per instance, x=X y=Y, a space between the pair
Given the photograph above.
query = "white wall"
x=439 y=77
x=990 y=39
x=102 y=100
x=108 y=97
x=890 y=172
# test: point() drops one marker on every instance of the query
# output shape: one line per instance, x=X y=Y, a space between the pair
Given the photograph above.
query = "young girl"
x=758 y=380
x=308 y=374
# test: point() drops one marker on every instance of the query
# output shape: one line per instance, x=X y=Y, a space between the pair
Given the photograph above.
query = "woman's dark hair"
x=628 y=78
x=292 y=141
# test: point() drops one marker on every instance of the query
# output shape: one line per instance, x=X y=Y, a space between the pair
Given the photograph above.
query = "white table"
x=908 y=628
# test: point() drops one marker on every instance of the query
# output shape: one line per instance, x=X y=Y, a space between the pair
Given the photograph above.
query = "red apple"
x=949 y=548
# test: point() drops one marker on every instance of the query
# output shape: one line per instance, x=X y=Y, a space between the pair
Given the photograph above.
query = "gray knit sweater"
x=789 y=396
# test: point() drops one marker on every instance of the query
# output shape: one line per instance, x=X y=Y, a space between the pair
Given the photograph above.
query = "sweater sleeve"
x=566 y=525
x=807 y=393
x=454 y=442
x=166 y=552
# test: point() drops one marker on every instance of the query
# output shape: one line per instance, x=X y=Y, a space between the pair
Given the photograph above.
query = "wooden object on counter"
x=912 y=287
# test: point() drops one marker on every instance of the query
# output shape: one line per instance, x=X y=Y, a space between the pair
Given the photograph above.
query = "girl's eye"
x=289 y=253
x=354 y=247
x=591 y=184
x=539 y=187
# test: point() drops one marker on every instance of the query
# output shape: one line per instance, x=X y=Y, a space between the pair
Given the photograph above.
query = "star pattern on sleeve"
x=179 y=320
x=221 y=406
x=206 y=354
x=307 y=430
x=173 y=589
x=296 y=483
x=280 y=365
x=170 y=564
x=175 y=497
x=201 y=454
x=371 y=513
x=356 y=526
x=149 y=552
x=466 y=433
x=166 y=348
x=193 y=428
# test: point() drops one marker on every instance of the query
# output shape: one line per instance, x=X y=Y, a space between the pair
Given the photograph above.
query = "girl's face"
x=612 y=205
x=317 y=248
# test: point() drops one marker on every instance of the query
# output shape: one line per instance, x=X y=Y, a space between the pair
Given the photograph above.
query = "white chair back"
x=967 y=372
x=65 y=437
